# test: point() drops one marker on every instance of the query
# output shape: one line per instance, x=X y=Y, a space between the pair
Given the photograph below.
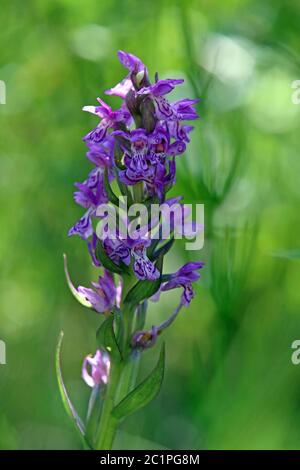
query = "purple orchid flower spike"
x=134 y=151
x=99 y=366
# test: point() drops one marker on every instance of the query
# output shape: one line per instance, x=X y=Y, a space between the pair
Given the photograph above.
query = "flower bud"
x=148 y=114
x=133 y=104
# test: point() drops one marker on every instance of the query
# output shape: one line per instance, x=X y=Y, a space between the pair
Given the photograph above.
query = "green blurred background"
x=230 y=382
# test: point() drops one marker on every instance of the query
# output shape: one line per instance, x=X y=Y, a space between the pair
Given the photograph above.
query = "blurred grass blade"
x=63 y=392
x=293 y=253
x=144 y=393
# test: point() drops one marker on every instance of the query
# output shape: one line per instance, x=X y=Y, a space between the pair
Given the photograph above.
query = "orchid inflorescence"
x=133 y=150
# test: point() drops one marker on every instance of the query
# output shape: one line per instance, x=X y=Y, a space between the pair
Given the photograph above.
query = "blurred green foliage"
x=230 y=382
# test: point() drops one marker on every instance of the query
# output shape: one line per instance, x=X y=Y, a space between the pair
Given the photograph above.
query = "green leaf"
x=125 y=191
x=110 y=194
x=106 y=338
x=144 y=392
x=107 y=262
x=142 y=290
x=145 y=289
x=151 y=200
x=93 y=416
x=293 y=253
x=163 y=250
x=118 y=153
x=119 y=324
x=141 y=315
x=63 y=392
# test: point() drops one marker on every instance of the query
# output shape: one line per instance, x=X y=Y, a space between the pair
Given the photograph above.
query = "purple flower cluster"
x=135 y=148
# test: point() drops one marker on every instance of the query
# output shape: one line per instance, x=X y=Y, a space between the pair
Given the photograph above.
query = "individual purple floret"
x=103 y=295
x=184 y=278
x=95 y=369
x=102 y=298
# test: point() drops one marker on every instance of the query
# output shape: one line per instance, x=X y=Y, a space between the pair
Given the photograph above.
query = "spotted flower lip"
x=143 y=267
x=117 y=250
x=96 y=369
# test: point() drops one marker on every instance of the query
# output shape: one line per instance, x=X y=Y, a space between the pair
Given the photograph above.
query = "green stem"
x=108 y=424
x=128 y=377
x=121 y=378
x=138 y=190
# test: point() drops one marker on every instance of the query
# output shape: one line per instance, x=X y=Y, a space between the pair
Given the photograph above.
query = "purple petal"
x=162 y=87
x=130 y=61
x=83 y=227
x=145 y=269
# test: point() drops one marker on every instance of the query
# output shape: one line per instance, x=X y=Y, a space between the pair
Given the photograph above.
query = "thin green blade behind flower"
x=63 y=392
